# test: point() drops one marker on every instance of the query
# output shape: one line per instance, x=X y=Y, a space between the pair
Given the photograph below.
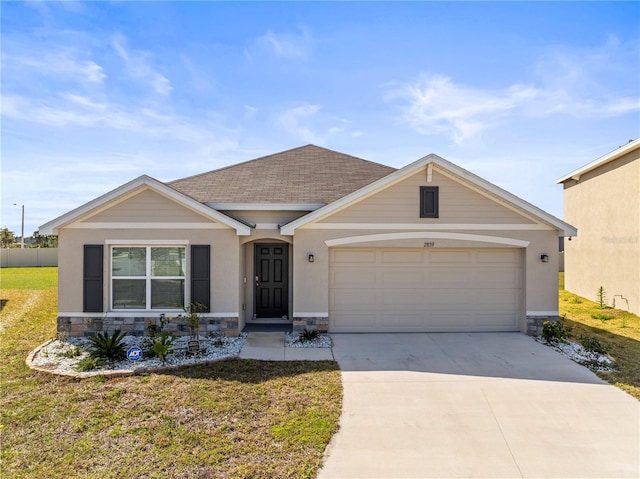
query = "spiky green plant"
x=109 y=347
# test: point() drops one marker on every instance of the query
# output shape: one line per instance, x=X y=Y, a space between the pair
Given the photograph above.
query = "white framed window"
x=148 y=277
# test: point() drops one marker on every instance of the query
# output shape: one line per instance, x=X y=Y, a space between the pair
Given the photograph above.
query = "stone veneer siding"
x=321 y=324
x=137 y=326
x=534 y=324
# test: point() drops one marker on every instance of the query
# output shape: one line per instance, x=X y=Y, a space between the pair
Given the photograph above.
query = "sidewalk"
x=271 y=347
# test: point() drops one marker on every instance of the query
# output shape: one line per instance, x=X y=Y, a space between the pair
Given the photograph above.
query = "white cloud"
x=435 y=104
x=63 y=62
x=583 y=84
x=308 y=123
x=285 y=45
x=138 y=65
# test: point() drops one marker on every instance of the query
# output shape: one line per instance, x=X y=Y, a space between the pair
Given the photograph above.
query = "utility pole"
x=22 y=232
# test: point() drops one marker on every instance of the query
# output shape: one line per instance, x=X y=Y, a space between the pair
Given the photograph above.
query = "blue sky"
x=95 y=94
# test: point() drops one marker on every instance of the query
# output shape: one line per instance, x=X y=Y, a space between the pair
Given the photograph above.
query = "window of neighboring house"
x=429 y=202
x=148 y=277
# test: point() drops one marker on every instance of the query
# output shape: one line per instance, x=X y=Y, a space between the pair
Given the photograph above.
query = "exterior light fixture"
x=544 y=258
x=311 y=257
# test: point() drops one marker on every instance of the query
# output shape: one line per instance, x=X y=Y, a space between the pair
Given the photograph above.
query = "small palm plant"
x=109 y=347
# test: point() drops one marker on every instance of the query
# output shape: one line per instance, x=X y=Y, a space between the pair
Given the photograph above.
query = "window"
x=148 y=277
x=428 y=202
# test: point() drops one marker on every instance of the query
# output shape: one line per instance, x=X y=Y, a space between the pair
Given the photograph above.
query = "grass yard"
x=233 y=419
x=620 y=333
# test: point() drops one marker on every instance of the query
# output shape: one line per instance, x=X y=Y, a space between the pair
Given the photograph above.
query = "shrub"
x=110 y=347
x=308 y=335
x=602 y=297
x=89 y=364
x=70 y=353
x=162 y=345
x=593 y=345
x=602 y=317
x=555 y=332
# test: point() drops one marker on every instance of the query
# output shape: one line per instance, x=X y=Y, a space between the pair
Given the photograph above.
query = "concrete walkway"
x=270 y=347
x=485 y=405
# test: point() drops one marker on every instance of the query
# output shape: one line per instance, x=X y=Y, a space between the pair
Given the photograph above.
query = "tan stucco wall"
x=604 y=204
x=400 y=203
x=225 y=262
x=146 y=206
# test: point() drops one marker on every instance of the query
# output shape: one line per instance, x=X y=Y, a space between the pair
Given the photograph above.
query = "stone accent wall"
x=321 y=324
x=137 y=326
x=534 y=324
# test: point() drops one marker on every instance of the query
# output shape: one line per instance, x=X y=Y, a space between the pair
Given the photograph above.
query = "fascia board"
x=563 y=228
x=603 y=160
x=265 y=206
x=126 y=190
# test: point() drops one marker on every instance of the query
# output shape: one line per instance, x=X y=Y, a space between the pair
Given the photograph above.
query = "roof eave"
x=53 y=226
x=603 y=160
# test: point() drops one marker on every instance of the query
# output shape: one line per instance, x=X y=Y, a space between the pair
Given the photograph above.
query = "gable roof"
x=304 y=175
x=603 y=160
x=474 y=181
x=131 y=188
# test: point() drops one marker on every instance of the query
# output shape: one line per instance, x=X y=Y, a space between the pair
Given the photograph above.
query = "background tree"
x=7 y=238
x=44 y=241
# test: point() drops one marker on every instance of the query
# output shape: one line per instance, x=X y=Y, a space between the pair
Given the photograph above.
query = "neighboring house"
x=602 y=199
x=315 y=238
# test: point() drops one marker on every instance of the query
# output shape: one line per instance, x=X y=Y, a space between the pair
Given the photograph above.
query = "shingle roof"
x=308 y=174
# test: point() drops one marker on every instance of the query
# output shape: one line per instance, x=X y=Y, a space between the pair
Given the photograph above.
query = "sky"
x=95 y=94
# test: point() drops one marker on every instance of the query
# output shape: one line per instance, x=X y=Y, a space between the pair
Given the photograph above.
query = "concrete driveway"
x=482 y=405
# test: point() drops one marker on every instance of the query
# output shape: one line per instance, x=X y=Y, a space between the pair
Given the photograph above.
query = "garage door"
x=407 y=290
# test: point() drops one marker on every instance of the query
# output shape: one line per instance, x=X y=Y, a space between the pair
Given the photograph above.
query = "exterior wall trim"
x=148 y=226
x=146 y=242
x=265 y=206
x=310 y=315
x=427 y=235
x=432 y=226
x=542 y=313
x=137 y=313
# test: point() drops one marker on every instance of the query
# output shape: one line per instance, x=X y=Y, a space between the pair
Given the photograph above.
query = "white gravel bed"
x=292 y=340
x=51 y=356
x=575 y=352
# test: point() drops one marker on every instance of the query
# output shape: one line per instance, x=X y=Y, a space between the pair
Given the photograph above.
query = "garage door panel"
x=360 y=278
x=411 y=257
x=347 y=299
x=353 y=256
x=403 y=299
x=401 y=279
x=397 y=289
x=450 y=257
x=497 y=257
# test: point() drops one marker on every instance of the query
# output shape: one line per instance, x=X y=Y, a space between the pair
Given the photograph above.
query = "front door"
x=272 y=280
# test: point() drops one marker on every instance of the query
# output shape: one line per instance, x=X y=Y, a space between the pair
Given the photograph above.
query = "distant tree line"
x=8 y=239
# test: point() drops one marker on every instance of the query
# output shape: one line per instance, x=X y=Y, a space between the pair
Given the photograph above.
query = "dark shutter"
x=200 y=275
x=428 y=202
x=92 y=278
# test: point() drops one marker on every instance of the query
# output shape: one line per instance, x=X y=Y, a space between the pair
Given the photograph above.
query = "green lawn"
x=233 y=419
x=621 y=334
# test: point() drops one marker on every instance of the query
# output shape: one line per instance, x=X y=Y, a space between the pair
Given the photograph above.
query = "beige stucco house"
x=313 y=238
x=602 y=199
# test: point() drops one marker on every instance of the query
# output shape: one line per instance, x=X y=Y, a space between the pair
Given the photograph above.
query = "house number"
x=429 y=244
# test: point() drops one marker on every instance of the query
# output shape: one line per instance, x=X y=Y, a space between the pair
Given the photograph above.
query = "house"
x=603 y=200
x=313 y=238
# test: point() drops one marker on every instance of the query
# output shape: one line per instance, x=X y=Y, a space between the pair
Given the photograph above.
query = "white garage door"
x=412 y=290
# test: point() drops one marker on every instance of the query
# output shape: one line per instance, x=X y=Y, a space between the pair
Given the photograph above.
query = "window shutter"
x=201 y=275
x=92 y=278
x=429 y=202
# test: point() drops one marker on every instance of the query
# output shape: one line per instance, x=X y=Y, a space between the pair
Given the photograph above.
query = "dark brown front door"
x=272 y=280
